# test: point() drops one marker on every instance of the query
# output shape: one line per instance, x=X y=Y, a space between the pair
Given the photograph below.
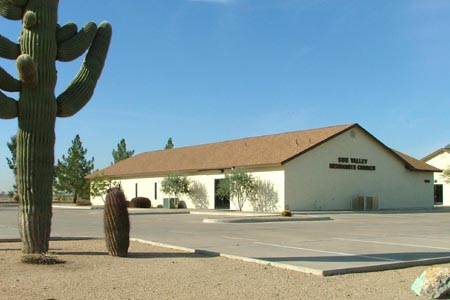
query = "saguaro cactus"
x=116 y=223
x=41 y=43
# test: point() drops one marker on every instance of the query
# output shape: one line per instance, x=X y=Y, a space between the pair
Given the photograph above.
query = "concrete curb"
x=387 y=266
x=318 y=272
x=266 y=219
x=189 y=250
x=73 y=207
x=144 y=211
x=131 y=211
x=235 y=257
x=232 y=213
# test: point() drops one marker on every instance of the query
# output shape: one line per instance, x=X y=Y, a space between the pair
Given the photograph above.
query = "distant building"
x=440 y=159
x=333 y=168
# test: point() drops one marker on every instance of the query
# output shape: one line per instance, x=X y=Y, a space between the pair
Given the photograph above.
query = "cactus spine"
x=116 y=223
x=41 y=43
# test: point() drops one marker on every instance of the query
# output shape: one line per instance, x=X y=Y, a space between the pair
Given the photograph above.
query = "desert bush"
x=264 y=197
x=160 y=206
x=182 y=204
x=198 y=194
x=286 y=213
x=41 y=259
x=83 y=202
x=16 y=197
x=140 y=202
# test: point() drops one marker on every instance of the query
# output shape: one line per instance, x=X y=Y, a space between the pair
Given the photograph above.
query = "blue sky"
x=202 y=71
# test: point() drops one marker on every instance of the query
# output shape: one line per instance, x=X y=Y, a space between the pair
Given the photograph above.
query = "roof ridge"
x=251 y=138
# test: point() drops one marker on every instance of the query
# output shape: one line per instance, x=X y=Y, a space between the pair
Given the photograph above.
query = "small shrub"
x=160 y=206
x=128 y=203
x=286 y=213
x=83 y=202
x=140 y=202
x=182 y=204
x=41 y=259
x=16 y=197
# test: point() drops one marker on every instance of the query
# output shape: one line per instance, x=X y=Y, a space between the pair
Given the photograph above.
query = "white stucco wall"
x=274 y=176
x=205 y=185
x=312 y=185
x=442 y=161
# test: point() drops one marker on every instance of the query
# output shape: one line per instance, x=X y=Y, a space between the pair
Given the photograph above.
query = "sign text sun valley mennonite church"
x=351 y=163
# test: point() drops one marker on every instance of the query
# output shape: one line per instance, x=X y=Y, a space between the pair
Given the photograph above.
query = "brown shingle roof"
x=435 y=153
x=415 y=164
x=268 y=150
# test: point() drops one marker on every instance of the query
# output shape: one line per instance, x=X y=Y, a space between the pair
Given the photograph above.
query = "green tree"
x=446 y=175
x=169 y=144
x=12 y=146
x=71 y=170
x=41 y=44
x=238 y=185
x=175 y=185
x=99 y=186
x=121 y=153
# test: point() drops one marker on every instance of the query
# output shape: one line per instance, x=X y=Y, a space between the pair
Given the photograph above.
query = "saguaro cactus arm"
x=66 y=32
x=19 y=2
x=7 y=82
x=8 y=49
x=75 y=46
x=80 y=90
x=8 y=107
x=27 y=69
x=12 y=9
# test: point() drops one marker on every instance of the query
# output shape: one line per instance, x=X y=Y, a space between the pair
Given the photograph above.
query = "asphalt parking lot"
x=328 y=243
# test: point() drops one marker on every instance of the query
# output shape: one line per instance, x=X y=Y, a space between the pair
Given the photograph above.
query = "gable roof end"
x=435 y=153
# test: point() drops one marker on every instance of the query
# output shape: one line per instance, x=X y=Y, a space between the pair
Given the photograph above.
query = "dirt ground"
x=159 y=273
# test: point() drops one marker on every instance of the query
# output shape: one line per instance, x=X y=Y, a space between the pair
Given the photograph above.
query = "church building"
x=333 y=168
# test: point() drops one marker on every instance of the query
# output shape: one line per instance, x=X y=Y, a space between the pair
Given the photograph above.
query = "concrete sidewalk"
x=327 y=244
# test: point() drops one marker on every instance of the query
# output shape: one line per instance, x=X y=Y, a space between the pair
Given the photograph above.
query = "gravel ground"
x=159 y=273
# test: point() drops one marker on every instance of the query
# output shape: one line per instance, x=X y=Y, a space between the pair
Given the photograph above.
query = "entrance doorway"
x=220 y=202
x=438 y=194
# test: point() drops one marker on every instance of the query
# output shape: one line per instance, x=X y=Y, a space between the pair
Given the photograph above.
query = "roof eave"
x=219 y=169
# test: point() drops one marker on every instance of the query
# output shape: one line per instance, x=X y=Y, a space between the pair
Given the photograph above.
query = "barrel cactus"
x=116 y=223
x=43 y=42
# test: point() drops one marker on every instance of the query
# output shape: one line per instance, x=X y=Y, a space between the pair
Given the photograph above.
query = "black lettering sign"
x=352 y=163
x=343 y=159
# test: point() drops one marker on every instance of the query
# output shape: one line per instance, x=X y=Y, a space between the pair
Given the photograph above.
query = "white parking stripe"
x=329 y=252
x=395 y=244
x=237 y=238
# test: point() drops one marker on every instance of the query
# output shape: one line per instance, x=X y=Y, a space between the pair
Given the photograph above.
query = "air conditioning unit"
x=358 y=203
x=365 y=203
